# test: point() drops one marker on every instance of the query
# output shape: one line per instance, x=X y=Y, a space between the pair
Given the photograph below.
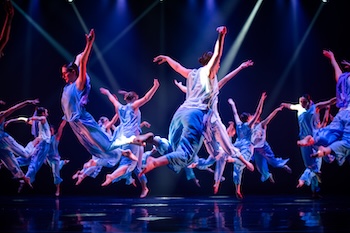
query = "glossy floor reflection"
x=175 y=214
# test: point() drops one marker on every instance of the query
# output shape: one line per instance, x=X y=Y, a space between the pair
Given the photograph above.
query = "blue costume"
x=84 y=126
x=263 y=154
x=8 y=148
x=187 y=125
x=336 y=135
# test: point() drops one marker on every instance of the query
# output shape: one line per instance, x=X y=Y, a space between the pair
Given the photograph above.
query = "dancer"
x=308 y=122
x=54 y=157
x=130 y=123
x=6 y=28
x=263 y=154
x=187 y=127
x=84 y=126
x=9 y=147
x=334 y=138
x=216 y=140
x=91 y=168
x=244 y=126
x=41 y=131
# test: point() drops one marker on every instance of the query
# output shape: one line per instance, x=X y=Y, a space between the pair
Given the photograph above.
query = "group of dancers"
x=195 y=122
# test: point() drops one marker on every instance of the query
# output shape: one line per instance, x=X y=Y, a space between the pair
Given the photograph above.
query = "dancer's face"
x=68 y=75
x=304 y=102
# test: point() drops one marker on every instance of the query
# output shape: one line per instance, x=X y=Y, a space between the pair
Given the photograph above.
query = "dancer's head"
x=129 y=96
x=70 y=72
x=245 y=117
x=102 y=121
x=305 y=101
x=41 y=111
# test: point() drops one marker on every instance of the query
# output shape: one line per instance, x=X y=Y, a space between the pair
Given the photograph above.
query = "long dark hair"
x=205 y=58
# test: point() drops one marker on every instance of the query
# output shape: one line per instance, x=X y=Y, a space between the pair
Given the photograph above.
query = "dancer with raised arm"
x=334 y=139
x=83 y=124
x=244 y=127
x=263 y=154
x=308 y=123
x=9 y=147
x=130 y=125
x=187 y=125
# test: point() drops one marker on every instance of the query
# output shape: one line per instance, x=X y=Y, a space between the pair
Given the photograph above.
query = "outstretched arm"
x=233 y=73
x=258 y=110
x=234 y=111
x=176 y=66
x=180 y=86
x=214 y=62
x=111 y=123
x=6 y=29
x=148 y=96
x=6 y=113
x=267 y=120
x=84 y=56
x=111 y=98
x=14 y=120
x=324 y=104
x=231 y=130
x=337 y=71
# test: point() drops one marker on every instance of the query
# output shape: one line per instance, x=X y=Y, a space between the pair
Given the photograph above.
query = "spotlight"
x=70 y=0
x=325 y=1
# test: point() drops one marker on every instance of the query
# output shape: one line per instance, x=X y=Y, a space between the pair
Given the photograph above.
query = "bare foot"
x=271 y=179
x=322 y=151
x=57 y=190
x=143 y=138
x=76 y=175
x=150 y=165
x=108 y=180
x=26 y=180
x=307 y=141
x=80 y=179
x=134 y=183
x=66 y=161
x=216 y=188
x=300 y=183
x=90 y=163
x=239 y=195
x=127 y=153
x=144 y=192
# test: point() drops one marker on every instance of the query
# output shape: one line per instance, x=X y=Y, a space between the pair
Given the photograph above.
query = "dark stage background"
x=285 y=40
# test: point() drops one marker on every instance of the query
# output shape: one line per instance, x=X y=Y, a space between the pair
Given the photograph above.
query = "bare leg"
x=117 y=173
x=248 y=164
x=81 y=177
x=153 y=163
x=143 y=138
x=57 y=190
x=145 y=189
x=127 y=153
x=238 y=191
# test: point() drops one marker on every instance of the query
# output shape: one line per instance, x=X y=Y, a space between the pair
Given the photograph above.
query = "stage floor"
x=174 y=214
